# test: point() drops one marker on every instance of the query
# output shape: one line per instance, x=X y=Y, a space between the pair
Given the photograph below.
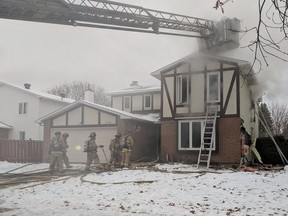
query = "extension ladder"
x=208 y=135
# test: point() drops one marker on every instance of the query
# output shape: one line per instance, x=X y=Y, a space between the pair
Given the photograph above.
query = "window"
x=22 y=135
x=213 y=85
x=147 y=102
x=190 y=134
x=22 y=108
x=182 y=89
x=127 y=103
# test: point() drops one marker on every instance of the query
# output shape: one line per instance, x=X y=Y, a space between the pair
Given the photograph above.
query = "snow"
x=165 y=189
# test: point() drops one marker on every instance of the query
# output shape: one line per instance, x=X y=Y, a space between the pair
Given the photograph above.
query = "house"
x=189 y=87
x=81 y=118
x=137 y=99
x=21 y=106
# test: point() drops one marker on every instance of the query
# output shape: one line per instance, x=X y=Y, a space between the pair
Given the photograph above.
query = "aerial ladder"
x=118 y=16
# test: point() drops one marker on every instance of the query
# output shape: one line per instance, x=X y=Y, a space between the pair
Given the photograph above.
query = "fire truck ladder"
x=106 y=14
x=208 y=135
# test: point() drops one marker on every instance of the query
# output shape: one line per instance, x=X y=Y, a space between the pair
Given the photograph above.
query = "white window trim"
x=179 y=96
x=190 y=134
x=22 y=108
x=208 y=86
x=21 y=134
x=150 y=107
x=129 y=108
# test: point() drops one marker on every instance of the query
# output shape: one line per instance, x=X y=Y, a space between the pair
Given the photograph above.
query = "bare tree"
x=273 y=16
x=76 y=90
x=279 y=114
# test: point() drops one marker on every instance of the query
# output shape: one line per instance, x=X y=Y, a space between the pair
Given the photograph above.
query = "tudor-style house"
x=21 y=106
x=194 y=87
x=137 y=99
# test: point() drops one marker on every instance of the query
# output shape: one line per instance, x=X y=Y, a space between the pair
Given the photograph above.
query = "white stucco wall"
x=117 y=102
x=245 y=104
x=137 y=102
x=232 y=104
x=9 y=112
x=197 y=93
x=157 y=101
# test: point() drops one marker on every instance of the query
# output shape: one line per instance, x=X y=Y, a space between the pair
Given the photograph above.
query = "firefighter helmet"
x=93 y=134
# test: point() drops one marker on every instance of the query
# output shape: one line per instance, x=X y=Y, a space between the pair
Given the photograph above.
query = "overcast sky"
x=45 y=55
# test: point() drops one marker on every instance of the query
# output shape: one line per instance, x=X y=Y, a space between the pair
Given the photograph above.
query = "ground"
x=161 y=189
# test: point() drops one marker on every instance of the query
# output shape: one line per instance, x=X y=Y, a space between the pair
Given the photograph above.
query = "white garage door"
x=77 y=137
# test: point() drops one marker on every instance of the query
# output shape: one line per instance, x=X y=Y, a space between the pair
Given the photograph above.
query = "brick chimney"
x=27 y=86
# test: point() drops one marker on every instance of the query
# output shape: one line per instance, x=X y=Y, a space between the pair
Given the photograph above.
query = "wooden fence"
x=21 y=151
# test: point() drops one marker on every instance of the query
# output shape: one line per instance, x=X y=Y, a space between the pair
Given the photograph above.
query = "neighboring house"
x=81 y=118
x=189 y=86
x=20 y=107
x=137 y=99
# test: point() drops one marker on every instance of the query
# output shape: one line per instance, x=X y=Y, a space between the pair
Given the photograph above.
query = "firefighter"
x=56 y=154
x=126 y=149
x=115 y=150
x=64 y=144
x=92 y=151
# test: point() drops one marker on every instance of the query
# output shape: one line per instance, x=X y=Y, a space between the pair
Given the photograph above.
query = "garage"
x=77 y=137
x=81 y=118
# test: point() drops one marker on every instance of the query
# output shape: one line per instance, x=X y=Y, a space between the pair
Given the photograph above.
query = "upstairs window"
x=147 y=102
x=22 y=108
x=213 y=85
x=127 y=103
x=182 y=89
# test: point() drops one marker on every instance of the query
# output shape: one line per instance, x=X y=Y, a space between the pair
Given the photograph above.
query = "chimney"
x=27 y=86
x=89 y=95
x=135 y=85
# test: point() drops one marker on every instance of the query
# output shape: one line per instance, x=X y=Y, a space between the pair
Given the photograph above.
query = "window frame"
x=22 y=108
x=129 y=103
x=22 y=135
x=180 y=90
x=202 y=121
x=209 y=85
x=150 y=102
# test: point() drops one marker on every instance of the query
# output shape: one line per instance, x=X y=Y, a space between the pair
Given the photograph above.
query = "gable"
x=84 y=116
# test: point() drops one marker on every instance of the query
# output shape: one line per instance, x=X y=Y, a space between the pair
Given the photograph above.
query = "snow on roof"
x=132 y=90
x=39 y=93
x=5 y=126
x=245 y=66
x=153 y=118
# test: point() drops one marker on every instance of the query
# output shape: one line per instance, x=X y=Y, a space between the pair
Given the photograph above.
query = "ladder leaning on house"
x=208 y=135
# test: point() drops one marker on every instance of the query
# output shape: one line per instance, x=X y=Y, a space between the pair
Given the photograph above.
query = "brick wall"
x=227 y=143
x=145 y=136
x=169 y=141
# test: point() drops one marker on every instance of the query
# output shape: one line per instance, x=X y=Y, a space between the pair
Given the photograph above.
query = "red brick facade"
x=227 y=143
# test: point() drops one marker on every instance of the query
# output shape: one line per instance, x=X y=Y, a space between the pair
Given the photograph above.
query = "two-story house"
x=137 y=99
x=21 y=106
x=191 y=86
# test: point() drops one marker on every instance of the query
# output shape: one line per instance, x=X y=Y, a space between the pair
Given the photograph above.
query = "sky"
x=46 y=55
x=167 y=190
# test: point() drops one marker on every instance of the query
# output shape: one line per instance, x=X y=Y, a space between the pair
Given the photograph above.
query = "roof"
x=39 y=94
x=133 y=90
x=152 y=118
x=245 y=66
x=5 y=126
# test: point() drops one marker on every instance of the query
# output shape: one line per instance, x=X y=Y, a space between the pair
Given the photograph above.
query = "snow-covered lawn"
x=177 y=190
